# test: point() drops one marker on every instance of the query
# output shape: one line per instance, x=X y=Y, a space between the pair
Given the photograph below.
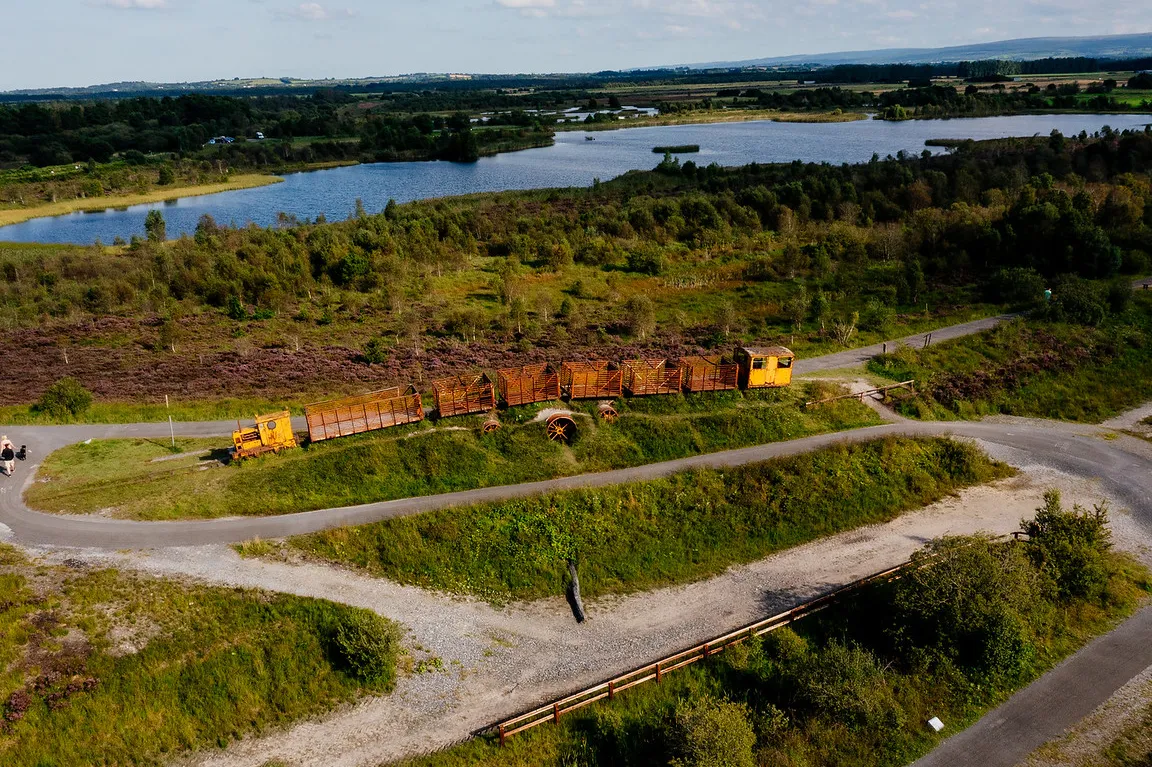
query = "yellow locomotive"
x=271 y=434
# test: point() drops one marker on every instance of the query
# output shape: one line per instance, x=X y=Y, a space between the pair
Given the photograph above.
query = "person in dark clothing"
x=7 y=456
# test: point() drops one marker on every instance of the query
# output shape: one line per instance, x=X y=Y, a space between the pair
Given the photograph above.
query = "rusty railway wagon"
x=644 y=377
x=528 y=384
x=366 y=412
x=715 y=373
x=595 y=379
x=750 y=368
x=462 y=395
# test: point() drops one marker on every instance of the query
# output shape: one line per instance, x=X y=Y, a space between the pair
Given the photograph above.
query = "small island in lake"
x=679 y=149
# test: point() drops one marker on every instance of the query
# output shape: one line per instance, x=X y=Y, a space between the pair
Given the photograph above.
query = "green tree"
x=640 y=315
x=707 y=732
x=821 y=308
x=155 y=227
x=65 y=398
x=797 y=308
x=166 y=175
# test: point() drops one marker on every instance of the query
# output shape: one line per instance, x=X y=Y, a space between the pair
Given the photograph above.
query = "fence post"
x=556 y=712
x=705 y=649
x=611 y=690
x=657 y=672
x=501 y=736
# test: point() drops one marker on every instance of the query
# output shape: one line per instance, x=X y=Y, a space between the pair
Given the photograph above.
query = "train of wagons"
x=749 y=367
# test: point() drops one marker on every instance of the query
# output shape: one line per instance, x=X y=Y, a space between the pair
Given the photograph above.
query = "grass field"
x=120 y=475
x=105 y=668
x=650 y=534
x=1031 y=368
x=124 y=412
x=843 y=687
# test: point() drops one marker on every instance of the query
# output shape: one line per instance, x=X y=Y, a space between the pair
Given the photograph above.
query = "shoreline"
x=96 y=204
x=731 y=116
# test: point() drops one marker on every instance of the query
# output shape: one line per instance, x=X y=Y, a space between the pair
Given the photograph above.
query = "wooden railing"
x=860 y=395
x=655 y=672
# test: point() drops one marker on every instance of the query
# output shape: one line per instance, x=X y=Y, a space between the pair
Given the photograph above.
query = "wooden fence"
x=860 y=395
x=655 y=672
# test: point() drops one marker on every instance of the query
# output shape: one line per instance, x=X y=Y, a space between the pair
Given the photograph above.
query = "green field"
x=649 y=534
x=122 y=475
x=99 y=667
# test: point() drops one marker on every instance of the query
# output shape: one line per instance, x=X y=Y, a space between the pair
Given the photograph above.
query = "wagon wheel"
x=490 y=425
x=561 y=428
x=607 y=412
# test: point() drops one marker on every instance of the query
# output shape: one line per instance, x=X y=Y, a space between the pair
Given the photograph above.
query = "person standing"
x=7 y=455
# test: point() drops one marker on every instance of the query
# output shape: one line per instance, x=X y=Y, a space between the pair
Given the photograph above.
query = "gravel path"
x=500 y=661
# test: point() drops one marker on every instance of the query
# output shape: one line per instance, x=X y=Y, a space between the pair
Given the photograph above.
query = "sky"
x=52 y=43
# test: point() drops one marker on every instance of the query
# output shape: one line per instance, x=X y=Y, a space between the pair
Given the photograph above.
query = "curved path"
x=1078 y=450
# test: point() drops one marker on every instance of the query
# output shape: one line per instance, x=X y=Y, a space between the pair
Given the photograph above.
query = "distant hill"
x=1102 y=47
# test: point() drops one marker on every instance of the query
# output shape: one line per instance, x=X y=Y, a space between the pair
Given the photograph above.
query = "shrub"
x=1071 y=547
x=367 y=644
x=711 y=733
x=966 y=601
x=375 y=351
x=1079 y=301
x=67 y=397
x=847 y=684
x=1017 y=286
x=877 y=316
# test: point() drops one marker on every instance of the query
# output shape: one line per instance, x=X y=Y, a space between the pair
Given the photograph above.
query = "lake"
x=573 y=161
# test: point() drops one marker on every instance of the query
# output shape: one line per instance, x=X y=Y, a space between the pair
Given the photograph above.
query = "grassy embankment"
x=121 y=474
x=127 y=412
x=60 y=207
x=648 y=534
x=854 y=685
x=102 y=667
x=1032 y=368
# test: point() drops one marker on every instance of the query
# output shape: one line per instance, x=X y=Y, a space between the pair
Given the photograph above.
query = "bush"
x=65 y=398
x=1017 y=286
x=1071 y=547
x=967 y=602
x=711 y=733
x=375 y=351
x=846 y=683
x=367 y=644
x=1079 y=301
x=877 y=316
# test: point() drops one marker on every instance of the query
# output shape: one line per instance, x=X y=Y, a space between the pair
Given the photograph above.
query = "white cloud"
x=313 y=12
x=527 y=3
x=139 y=5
